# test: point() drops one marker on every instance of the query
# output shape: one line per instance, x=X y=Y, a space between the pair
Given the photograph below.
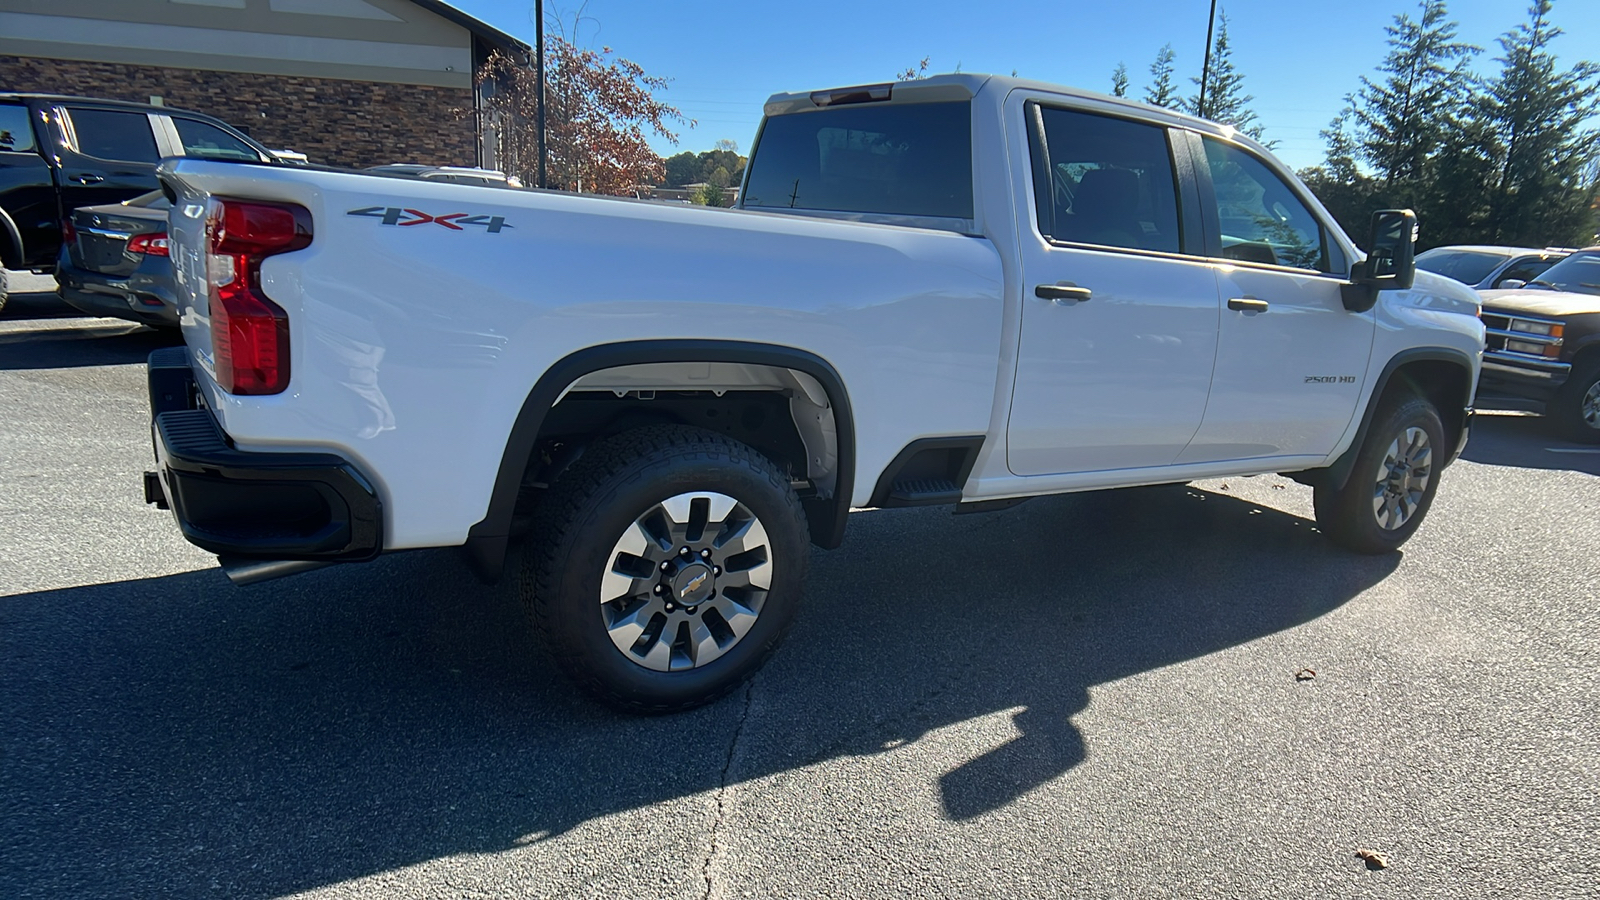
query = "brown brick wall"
x=337 y=123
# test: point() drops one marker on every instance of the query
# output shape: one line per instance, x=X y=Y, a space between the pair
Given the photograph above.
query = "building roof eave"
x=480 y=29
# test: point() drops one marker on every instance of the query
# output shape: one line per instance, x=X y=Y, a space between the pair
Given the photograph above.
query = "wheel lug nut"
x=658 y=588
x=666 y=566
x=716 y=570
x=669 y=607
x=705 y=554
x=684 y=551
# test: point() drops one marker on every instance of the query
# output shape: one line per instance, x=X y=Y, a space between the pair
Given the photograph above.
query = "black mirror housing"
x=1391 y=263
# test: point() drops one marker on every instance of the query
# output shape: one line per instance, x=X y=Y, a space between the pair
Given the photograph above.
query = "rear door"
x=1292 y=360
x=1120 y=307
x=27 y=192
x=110 y=156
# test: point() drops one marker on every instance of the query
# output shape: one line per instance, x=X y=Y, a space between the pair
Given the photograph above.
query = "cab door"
x=1291 y=360
x=1119 y=325
x=110 y=155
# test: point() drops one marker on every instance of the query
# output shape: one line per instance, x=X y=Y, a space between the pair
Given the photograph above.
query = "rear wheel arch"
x=487 y=541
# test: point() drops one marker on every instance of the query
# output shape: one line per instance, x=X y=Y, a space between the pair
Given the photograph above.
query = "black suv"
x=59 y=153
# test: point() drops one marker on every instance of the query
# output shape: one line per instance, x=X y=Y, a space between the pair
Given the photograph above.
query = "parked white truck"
x=965 y=290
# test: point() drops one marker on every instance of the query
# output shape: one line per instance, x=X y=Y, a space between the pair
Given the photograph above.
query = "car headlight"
x=1528 y=326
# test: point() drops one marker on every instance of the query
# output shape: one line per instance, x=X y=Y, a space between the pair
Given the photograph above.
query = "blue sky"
x=1299 y=58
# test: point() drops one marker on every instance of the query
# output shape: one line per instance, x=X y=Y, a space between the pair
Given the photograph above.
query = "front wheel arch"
x=1442 y=375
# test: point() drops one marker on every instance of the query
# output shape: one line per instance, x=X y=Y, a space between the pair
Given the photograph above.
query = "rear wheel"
x=1576 y=407
x=1393 y=481
x=665 y=567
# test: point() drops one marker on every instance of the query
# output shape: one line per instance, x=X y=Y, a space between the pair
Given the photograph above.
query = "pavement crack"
x=722 y=793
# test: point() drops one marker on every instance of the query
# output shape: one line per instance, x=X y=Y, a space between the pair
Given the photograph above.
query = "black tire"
x=1576 y=407
x=1357 y=516
x=612 y=491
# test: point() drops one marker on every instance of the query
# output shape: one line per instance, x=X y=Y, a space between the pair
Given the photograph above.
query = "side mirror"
x=1391 y=263
x=1511 y=284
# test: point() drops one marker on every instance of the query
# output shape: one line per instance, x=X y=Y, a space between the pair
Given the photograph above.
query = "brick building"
x=346 y=82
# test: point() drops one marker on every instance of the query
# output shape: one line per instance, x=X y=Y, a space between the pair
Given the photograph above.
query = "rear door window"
x=210 y=142
x=1109 y=182
x=112 y=134
x=16 y=131
x=912 y=159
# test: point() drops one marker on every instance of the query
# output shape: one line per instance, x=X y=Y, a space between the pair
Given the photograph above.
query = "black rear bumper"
x=239 y=503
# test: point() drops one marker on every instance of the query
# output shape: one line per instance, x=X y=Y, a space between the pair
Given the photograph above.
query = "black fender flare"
x=15 y=259
x=1337 y=474
x=488 y=540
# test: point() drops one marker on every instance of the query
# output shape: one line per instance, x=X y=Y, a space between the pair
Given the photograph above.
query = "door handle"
x=1061 y=292
x=88 y=178
x=1247 y=304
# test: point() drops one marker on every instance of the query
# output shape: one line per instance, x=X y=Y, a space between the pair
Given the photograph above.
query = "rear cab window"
x=16 y=130
x=906 y=160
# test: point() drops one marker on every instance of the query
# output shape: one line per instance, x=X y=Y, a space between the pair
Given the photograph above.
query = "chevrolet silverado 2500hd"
x=962 y=290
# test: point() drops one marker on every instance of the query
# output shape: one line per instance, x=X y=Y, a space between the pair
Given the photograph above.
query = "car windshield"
x=1578 y=273
x=1465 y=266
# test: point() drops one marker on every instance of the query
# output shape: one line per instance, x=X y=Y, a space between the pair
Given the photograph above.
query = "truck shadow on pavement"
x=177 y=736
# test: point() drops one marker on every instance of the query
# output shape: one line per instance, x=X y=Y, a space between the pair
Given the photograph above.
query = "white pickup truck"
x=965 y=290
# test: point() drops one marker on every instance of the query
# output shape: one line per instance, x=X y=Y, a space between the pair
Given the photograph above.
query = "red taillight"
x=249 y=333
x=69 y=231
x=149 y=244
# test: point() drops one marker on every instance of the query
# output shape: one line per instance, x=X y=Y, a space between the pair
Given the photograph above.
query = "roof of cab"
x=966 y=86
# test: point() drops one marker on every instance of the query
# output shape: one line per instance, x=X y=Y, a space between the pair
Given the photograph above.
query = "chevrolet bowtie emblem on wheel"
x=394 y=215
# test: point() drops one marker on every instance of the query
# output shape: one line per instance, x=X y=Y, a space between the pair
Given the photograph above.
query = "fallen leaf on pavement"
x=1373 y=859
x=1305 y=674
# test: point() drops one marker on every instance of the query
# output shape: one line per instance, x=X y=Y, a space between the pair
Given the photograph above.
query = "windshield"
x=1465 y=266
x=1578 y=273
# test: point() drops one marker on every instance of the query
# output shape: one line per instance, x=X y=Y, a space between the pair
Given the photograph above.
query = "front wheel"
x=1576 y=407
x=1392 y=483
x=665 y=566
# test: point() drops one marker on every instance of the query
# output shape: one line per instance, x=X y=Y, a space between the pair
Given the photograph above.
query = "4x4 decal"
x=395 y=215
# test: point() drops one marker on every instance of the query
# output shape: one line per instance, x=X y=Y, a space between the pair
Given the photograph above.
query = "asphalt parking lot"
x=1087 y=696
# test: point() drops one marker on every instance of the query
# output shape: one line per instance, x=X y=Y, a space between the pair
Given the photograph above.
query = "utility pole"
x=1205 y=68
x=538 y=41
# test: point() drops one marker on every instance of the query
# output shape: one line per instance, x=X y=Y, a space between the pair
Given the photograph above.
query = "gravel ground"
x=1088 y=696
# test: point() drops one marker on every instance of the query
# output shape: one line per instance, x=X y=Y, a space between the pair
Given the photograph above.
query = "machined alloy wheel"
x=665 y=565
x=1576 y=406
x=1392 y=480
x=686 y=581
x=1589 y=407
x=1403 y=478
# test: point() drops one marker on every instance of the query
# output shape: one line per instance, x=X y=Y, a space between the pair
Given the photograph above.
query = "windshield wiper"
x=1538 y=283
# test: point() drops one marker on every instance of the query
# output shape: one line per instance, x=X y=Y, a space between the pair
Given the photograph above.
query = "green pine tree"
x=1119 y=80
x=1162 y=92
x=1225 y=99
x=1536 y=115
x=1401 y=120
